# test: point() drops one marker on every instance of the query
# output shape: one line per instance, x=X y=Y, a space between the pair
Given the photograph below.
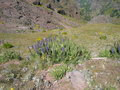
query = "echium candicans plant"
x=115 y=49
x=112 y=52
x=60 y=49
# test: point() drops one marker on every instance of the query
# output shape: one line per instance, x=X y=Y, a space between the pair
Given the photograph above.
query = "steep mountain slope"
x=86 y=9
x=46 y=14
x=64 y=7
x=23 y=15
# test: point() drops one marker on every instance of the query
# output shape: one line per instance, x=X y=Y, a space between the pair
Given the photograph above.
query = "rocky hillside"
x=86 y=9
x=64 y=7
x=22 y=15
x=49 y=14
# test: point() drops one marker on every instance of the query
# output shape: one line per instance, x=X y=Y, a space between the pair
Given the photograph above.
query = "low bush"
x=59 y=71
x=64 y=33
x=113 y=52
x=7 y=45
x=60 y=49
x=103 y=37
x=110 y=88
x=104 y=53
x=9 y=55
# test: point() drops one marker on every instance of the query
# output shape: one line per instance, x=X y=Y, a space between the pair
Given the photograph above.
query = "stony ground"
x=93 y=74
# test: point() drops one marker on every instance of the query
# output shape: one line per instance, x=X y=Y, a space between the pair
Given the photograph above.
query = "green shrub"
x=59 y=49
x=7 y=45
x=115 y=13
x=9 y=55
x=59 y=71
x=103 y=37
x=110 y=88
x=113 y=52
x=104 y=53
x=64 y=33
x=42 y=62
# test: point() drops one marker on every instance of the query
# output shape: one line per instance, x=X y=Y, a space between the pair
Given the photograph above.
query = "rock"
x=24 y=69
x=61 y=12
x=37 y=2
x=77 y=79
x=50 y=6
x=28 y=76
x=41 y=82
x=87 y=75
x=16 y=82
x=2 y=78
x=28 y=58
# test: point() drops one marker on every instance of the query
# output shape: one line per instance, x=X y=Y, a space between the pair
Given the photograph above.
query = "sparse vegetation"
x=110 y=88
x=59 y=71
x=64 y=33
x=36 y=27
x=102 y=36
x=9 y=55
x=113 y=52
x=104 y=53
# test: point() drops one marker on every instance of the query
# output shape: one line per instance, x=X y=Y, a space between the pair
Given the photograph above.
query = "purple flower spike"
x=35 y=48
x=47 y=49
x=46 y=43
x=42 y=50
x=63 y=49
x=63 y=40
x=47 y=40
x=112 y=50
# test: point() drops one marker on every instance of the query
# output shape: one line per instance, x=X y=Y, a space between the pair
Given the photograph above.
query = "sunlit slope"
x=93 y=36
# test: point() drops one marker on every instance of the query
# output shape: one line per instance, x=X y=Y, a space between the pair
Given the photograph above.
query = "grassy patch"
x=64 y=33
x=9 y=55
x=86 y=35
x=110 y=88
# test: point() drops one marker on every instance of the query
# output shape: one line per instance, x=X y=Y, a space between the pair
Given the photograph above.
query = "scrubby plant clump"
x=104 y=53
x=9 y=55
x=60 y=49
x=113 y=52
x=59 y=71
x=103 y=37
x=7 y=45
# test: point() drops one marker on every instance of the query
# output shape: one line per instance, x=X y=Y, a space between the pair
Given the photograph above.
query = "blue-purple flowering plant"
x=57 y=49
x=116 y=47
x=113 y=52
